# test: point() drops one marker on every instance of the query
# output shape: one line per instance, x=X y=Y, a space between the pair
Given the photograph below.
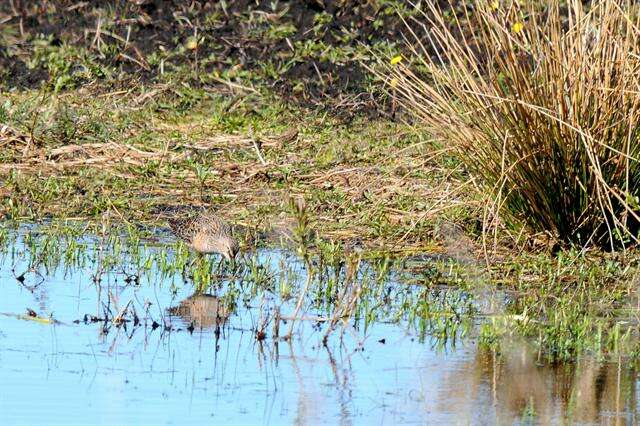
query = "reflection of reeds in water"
x=202 y=311
x=519 y=386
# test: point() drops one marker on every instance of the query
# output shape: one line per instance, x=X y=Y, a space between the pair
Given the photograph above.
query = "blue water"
x=72 y=373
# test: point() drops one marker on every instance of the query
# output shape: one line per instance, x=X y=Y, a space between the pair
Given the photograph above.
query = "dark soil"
x=132 y=32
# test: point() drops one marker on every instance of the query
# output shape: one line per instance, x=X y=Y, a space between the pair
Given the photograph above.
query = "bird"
x=206 y=233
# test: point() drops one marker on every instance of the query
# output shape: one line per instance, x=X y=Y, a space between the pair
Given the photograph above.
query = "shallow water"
x=201 y=362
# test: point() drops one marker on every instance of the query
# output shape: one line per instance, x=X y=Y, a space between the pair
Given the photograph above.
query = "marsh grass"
x=540 y=102
x=362 y=293
x=103 y=156
x=102 y=112
x=574 y=303
x=566 y=306
x=127 y=158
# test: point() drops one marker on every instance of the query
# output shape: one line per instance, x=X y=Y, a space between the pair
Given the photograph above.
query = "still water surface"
x=88 y=373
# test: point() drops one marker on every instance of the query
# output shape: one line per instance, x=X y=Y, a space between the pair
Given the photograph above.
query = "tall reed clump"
x=542 y=105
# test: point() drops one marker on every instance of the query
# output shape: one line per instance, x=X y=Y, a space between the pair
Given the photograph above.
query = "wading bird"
x=206 y=233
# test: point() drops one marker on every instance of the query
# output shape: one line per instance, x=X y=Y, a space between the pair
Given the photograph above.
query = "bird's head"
x=229 y=248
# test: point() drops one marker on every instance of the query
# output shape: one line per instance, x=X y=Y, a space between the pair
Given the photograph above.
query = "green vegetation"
x=355 y=291
x=574 y=303
x=70 y=157
x=129 y=110
x=111 y=117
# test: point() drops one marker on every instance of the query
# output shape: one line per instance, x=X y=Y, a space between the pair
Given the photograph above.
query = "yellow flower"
x=393 y=82
x=517 y=27
x=494 y=5
x=396 y=60
x=192 y=43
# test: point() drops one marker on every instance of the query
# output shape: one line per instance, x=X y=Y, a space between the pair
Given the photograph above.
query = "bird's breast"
x=202 y=243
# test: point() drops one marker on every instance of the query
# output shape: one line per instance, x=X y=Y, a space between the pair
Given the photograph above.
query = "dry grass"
x=75 y=156
x=541 y=104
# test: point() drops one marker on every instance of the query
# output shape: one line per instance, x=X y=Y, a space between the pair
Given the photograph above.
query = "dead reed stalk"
x=541 y=104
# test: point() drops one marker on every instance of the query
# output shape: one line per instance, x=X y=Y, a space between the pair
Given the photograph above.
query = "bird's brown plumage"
x=206 y=233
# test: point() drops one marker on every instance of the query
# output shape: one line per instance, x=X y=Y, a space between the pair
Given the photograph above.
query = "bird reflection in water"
x=201 y=311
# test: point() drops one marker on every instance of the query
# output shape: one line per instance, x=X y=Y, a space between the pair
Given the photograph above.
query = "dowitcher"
x=206 y=233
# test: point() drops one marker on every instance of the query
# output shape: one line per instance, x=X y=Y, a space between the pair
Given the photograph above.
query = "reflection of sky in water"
x=69 y=374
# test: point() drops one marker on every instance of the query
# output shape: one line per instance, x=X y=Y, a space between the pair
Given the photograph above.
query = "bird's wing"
x=214 y=225
x=182 y=228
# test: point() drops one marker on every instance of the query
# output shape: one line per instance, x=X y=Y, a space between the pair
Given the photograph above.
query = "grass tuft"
x=541 y=104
